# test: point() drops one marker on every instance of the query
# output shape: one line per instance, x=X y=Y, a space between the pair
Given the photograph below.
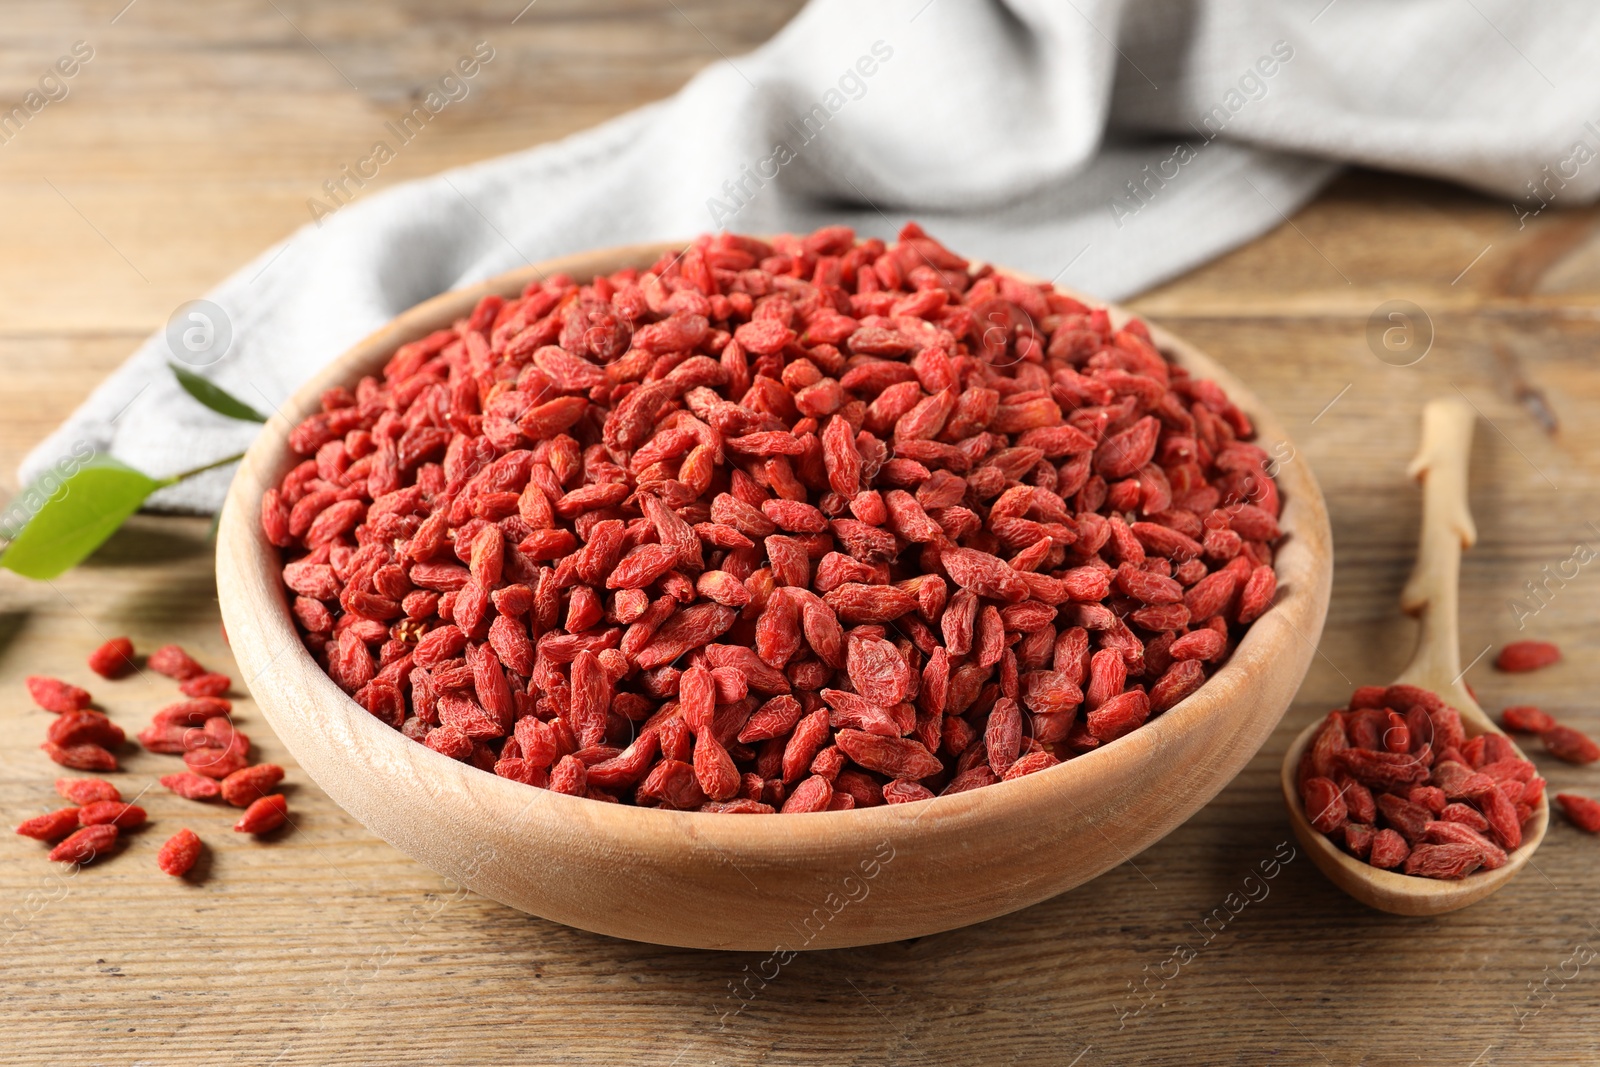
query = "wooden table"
x=193 y=139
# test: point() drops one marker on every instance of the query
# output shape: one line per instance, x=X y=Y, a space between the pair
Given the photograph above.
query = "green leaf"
x=214 y=396
x=77 y=518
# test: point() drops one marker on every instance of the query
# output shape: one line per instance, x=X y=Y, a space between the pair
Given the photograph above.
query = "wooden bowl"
x=767 y=883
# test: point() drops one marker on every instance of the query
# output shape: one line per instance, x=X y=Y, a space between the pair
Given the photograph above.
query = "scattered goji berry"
x=1526 y=719
x=192 y=712
x=1527 y=656
x=216 y=763
x=122 y=816
x=50 y=826
x=86 y=790
x=1563 y=742
x=243 y=787
x=192 y=786
x=1583 y=811
x=174 y=662
x=112 y=659
x=84 y=727
x=52 y=694
x=264 y=815
x=177 y=857
x=83 y=757
x=86 y=845
x=209 y=684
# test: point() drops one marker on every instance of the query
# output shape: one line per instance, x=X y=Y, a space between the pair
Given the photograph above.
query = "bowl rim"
x=249 y=566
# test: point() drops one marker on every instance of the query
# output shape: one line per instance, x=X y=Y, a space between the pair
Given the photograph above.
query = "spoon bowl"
x=1404 y=894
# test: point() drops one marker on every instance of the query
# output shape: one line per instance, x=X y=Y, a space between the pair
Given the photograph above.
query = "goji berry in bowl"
x=758 y=578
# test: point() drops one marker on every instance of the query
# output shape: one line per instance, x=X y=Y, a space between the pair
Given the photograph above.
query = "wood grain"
x=208 y=129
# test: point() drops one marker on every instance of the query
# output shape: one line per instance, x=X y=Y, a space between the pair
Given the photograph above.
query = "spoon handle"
x=1432 y=593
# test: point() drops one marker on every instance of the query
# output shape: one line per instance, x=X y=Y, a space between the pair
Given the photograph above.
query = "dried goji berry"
x=50 y=826
x=1583 y=811
x=243 y=787
x=112 y=659
x=813 y=794
x=898 y=757
x=1382 y=771
x=569 y=776
x=1566 y=743
x=1465 y=814
x=209 y=684
x=171 y=739
x=264 y=815
x=1358 y=800
x=1003 y=737
x=1389 y=849
x=901 y=791
x=714 y=768
x=1029 y=764
x=174 y=662
x=1527 y=719
x=1445 y=832
x=877 y=670
x=84 y=727
x=192 y=712
x=215 y=763
x=1402 y=815
x=1527 y=656
x=1119 y=715
x=86 y=845
x=122 y=816
x=192 y=786
x=178 y=856
x=84 y=757
x=52 y=694
x=1358 y=839
x=1256 y=596
x=1443 y=861
x=1324 y=804
x=1429 y=796
x=1397 y=737
x=86 y=790
x=1176 y=685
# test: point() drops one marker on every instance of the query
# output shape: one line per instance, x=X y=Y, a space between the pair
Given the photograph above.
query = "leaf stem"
x=223 y=462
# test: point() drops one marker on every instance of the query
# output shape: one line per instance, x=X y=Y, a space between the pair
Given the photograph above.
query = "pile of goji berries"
x=1394 y=779
x=805 y=525
x=199 y=728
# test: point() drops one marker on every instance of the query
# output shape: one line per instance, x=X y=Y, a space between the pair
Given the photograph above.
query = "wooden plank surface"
x=193 y=138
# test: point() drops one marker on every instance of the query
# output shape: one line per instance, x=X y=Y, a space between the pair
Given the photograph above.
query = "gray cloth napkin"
x=1107 y=144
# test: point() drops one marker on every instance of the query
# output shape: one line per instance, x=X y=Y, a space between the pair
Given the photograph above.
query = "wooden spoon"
x=1433 y=596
